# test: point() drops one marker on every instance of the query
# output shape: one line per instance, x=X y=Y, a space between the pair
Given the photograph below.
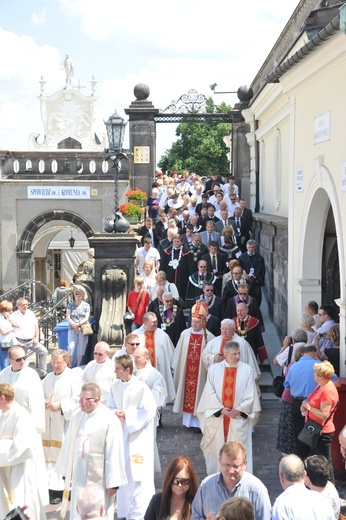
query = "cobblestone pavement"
x=174 y=439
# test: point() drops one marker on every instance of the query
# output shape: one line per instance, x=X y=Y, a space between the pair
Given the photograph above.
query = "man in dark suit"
x=216 y=263
x=214 y=178
x=148 y=231
x=210 y=216
x=243 y=296
x=161 y=225
x=214 y=303
x=184 y=221
x=241 y=228
x=187 y=237
x=246 y=212
x=253 y=264
x=203 y=204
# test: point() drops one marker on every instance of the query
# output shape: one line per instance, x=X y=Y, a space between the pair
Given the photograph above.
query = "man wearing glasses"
x=92 y=452
x=27 y=385
x=61 y=388
x=100 y=370
x=230 y=482
x=131 y=342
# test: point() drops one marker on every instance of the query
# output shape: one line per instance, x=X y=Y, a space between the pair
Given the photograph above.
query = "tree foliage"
x=200 y=147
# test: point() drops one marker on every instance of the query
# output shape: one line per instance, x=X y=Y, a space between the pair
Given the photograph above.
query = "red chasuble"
x=228 y=391
x=150 y=345
x=192 y=372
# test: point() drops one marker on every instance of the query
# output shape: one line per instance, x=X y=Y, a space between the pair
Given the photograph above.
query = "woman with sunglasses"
x=178 y=491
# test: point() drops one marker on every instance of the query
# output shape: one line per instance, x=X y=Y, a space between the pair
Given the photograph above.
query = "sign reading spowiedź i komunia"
x=58 y=192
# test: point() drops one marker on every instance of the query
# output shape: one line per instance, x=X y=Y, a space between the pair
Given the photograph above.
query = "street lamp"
x=115 y=127
x=71 y=240
x=213 y=87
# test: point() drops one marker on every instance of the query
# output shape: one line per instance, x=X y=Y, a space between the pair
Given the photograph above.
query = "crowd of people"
x=194 y=341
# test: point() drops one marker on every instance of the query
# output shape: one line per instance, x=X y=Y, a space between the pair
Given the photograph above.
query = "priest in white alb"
x=161 y=349
x=92 y=452
x=22 y=482
x=27 y=385
x=61 y=392
x=100 y=370
x=134 y=404
x=214 y=351
x=229 y=407
x=190 y=374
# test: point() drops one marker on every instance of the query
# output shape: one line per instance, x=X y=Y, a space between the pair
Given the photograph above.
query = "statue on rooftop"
x=69 y=71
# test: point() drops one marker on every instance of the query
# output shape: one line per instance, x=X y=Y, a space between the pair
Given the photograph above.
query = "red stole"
x=222 y=346
x=228 y=391
x=150 y=345
x=192 y=372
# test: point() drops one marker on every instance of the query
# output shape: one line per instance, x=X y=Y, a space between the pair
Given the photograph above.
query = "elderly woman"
x=77 y=314
x=161 y=281
x=7 y=337
x=306 y=322
x=320 y=407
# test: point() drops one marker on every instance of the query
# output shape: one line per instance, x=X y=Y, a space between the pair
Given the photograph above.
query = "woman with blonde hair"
x=77 y=313
x=320 y=407
x=178 y=491
x=149 y=276
x=137 y=303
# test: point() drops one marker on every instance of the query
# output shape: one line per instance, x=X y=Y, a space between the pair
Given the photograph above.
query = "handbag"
x=127 y=316
x=86 y=329
x=278 y=381
x=310 y=433
x=312 y=430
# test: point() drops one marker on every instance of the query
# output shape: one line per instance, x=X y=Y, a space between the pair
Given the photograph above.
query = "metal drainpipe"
x=257 y=162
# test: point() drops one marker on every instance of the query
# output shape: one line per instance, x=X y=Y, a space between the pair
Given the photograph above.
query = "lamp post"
x=115 y=127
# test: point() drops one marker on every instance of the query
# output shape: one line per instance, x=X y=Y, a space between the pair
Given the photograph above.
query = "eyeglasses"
x=236 y=467
x=134 y=344
x=98 y=354
x=202 y=266
x=181 y=481
x=19 y=359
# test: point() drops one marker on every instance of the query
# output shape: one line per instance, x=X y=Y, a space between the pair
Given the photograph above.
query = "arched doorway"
x=37 y=236
x=320 y=251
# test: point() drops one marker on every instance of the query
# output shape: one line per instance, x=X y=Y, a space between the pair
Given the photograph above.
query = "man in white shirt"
x=297 y=501
x=26 y=331
x=147 y=252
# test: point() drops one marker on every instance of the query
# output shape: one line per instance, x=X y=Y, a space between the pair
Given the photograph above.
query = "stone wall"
x=271 y=234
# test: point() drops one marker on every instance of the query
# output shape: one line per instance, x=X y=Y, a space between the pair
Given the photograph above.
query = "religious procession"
x=83 y=436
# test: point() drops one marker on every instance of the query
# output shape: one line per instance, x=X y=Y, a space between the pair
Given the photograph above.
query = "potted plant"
x=137 y=196
x=132 y=212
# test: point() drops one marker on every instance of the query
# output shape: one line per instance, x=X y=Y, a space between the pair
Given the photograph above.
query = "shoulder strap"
x=290 y=355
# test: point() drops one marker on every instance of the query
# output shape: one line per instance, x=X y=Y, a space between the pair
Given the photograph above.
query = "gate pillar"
x=142 y=129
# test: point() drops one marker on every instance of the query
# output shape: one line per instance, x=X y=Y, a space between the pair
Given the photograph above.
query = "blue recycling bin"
x=62 y=331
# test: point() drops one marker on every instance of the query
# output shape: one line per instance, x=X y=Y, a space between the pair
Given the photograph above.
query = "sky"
x=172 y=46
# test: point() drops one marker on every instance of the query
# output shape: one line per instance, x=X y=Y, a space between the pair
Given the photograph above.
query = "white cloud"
x=39 y=18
